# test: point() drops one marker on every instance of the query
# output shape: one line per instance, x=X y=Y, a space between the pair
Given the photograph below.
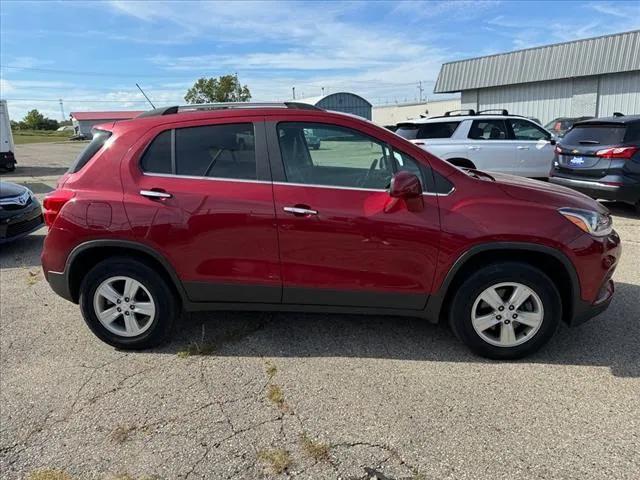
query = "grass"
x=277 y=459
x=271 y=369
x=39 y=136
x=197 y=349
x=121 y=433
x=318 y=451
x=49 y=474
x=33 y=277
x=274 y=393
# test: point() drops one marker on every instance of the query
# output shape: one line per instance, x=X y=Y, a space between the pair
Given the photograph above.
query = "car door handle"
x=300 y=211
x=473 y=148
x=155 y=193
x=523 y=148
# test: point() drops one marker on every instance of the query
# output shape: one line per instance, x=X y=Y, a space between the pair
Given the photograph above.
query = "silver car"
x=497 y=143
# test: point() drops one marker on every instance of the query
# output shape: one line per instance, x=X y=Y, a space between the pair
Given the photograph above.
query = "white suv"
x=500 y=143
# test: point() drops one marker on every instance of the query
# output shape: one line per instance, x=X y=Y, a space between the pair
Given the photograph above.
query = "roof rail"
x=469 y=112
x=226 y=106
x=501 y=110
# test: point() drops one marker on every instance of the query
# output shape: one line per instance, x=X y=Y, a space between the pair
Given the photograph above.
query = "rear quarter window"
x=419 y=131
x=596 y=134
x=100 y=137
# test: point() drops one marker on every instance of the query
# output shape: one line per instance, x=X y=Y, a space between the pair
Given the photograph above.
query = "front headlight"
x=591 y=222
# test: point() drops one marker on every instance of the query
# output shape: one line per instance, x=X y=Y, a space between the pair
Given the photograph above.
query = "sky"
x=91 y=54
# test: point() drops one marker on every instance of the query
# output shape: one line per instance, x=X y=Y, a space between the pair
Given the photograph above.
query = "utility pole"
x=62 y=110
x=323 y=91
x=294 y=92
x=420 y=89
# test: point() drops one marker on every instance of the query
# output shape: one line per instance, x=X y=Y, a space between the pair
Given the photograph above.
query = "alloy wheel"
x=507 y=314
x=124 y=306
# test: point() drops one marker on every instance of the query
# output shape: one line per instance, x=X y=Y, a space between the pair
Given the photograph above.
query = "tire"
x=154 y=295
x=470 y=314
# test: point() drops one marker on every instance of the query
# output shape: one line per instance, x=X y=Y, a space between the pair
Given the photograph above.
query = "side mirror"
x=552 y=141
x=407 y=186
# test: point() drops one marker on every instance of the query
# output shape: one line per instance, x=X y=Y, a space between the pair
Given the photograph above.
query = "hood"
x=538 y=191
x=8 y=190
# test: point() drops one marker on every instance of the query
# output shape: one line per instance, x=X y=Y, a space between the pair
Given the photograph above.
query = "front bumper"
x=15 y=224
x=627 y=192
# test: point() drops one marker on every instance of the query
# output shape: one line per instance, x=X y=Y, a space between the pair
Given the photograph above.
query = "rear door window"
x=488 y=130
x=223 y=151
x=413 y=131
x=100 y=137
x=595 y=134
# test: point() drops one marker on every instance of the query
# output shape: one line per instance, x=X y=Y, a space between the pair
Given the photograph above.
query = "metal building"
x=596 y=77
x=341 y=102
x=83 y=122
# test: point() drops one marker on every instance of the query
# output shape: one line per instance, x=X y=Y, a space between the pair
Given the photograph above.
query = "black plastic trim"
x=436 y=301
x=232 y=293
x=354 y=298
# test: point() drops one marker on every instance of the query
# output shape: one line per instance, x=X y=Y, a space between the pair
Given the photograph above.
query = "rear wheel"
x=506 y=310
x=127 y=304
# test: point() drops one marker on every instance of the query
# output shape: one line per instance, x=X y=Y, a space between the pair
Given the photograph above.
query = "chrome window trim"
x=290 y=184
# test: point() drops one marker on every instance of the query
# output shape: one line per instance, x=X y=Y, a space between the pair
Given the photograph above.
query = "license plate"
x=576 y=161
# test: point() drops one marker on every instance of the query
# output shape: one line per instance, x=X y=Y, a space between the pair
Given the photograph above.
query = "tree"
x=33 y=119
x=225 y=88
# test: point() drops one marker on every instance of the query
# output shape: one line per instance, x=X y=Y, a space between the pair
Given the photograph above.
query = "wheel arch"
x=86 y=255
x=555 y=264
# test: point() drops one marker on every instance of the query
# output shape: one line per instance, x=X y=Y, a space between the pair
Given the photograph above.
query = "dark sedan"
x=20 y=212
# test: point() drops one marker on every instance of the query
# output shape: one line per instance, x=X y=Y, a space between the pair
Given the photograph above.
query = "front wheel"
x=127 y=304
x=506 y=310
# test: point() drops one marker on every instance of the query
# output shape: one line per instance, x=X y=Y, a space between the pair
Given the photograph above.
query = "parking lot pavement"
x=245 y=395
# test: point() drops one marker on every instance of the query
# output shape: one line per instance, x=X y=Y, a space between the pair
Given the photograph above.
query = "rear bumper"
x=627 y=192
x=59 y=283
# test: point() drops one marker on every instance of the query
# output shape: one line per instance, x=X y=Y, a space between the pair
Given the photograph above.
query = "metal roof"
x=317 y=100
x=117 y=115
x=615 y=53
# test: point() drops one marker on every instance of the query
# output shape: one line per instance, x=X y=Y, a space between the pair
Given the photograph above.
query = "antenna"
x=145 y=96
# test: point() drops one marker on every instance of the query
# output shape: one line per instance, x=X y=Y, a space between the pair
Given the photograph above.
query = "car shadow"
x=23 y=252
x=609 y=340
x=620 y=209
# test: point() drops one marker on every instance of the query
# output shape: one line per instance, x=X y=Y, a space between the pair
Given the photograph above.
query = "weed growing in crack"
x=277 y=459
x=49 y=474
x=274 y=393
x=121 y=433
x=318 y=451
x=271 y=369
x=33 y=277
x=194 y=349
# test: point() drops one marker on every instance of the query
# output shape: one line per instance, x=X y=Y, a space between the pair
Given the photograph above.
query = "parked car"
x=496 y=143
x=313 y=141
x=369 y=224
x=7 y=147
x=601 y=158
x=20 y=212
x=559 y=126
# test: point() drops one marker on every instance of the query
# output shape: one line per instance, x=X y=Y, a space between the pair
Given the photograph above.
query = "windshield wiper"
x=589 y=142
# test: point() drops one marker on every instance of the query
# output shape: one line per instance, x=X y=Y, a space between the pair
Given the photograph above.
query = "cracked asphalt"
x=235 y=394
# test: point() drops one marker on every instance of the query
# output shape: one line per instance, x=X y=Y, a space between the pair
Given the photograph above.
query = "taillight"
x=53 y=203
x=618 y=152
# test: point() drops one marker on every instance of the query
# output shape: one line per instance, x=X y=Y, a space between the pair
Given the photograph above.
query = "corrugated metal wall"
x=544 y=100
x=619 y=93
x=347 y=103
x=595 y=96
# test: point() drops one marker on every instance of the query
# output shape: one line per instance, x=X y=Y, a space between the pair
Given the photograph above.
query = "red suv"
x=226 y=207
